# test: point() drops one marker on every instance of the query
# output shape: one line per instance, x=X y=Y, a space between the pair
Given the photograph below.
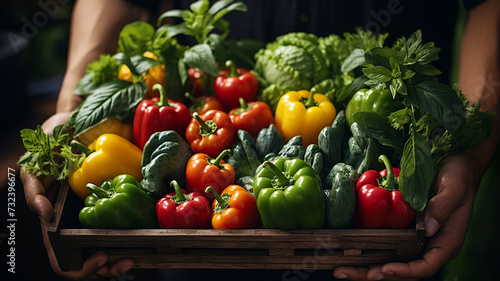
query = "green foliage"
x=48 y=155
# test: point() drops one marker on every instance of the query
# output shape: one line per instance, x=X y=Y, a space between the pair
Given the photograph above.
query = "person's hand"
x=447 y=217
x=94 y=267
x=40 y=193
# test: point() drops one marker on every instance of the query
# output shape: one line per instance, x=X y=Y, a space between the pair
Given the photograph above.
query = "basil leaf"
x=85 y=86
x=399 y=87
x=180 y=28
x=135 y=37
x=110 y=99
x=417 y=172
x=169 y=14
x=380 y=56
x=378 y=127
x=142 y=64
x=427 y=53
x=200 y=56
x=378 y=73
x=356 y=58
x=413 y=42
x=238 y=6
x=442 y=102
x=426 y=69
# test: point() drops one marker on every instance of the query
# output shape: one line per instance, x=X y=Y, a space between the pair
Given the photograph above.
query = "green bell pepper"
x=118 y=203
x=289 y=195
x=371 y=100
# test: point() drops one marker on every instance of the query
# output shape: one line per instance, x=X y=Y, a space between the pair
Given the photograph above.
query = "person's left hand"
x=447 y=216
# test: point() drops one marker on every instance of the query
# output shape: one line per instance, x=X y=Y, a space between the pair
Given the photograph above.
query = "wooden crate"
x=235 y=249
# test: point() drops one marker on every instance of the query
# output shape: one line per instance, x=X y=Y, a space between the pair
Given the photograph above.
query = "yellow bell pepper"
x=108 y=156
x=112 y=126
x=303 y=113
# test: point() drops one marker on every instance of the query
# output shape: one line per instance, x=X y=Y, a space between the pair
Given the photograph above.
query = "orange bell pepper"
x=234 y=208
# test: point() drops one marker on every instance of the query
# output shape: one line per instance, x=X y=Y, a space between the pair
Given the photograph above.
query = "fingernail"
x=389 y=273
x=126 y=268
x=378 y=276
x=101 y=263
x=431 y=226
x=341 y=276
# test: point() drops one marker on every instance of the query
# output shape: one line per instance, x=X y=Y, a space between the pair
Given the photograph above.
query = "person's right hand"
x=40 y=193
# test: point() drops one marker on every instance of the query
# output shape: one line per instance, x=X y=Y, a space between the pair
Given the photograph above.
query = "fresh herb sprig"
x=49 y=155
x=437 y=119
x=201 y=19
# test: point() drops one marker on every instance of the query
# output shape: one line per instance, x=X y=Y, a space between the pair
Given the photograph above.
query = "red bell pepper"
x=235 y=208
x=210 y=133
x=202 y=104
x=251 y=117
x=181 y=210
x=234 y=83
x=159 y=114
x=203 y=171
x=379 y=202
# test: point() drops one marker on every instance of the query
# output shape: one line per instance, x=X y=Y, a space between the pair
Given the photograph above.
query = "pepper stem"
x=310 y=100
x=216 y=161
x=244 y=106
x=163 y=95
x=390 y=181
x=281 y=179
x=179 y=196
x=222 y=203
x=81 y=147
x=99 y=191
x=205 y=129
x=232 y=69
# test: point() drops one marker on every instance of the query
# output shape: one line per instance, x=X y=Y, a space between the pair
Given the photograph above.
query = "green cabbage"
x=292 y=62
x=303 y=61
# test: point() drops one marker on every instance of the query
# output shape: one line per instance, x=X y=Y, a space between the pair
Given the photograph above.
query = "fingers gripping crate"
x=234 y=249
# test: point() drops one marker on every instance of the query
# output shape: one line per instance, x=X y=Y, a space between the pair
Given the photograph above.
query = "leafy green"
x=436 y=121
x=478 y=125
x=201 y=19
x=200 y=56
x=115 y=98
x=292 y=62
x=164 y=158
x=98 y=72
x=378 y=127
x=417 y=171
x=135 y=38
x=48 y=155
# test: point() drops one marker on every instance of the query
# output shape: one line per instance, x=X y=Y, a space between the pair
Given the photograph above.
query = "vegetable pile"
x=304 y=132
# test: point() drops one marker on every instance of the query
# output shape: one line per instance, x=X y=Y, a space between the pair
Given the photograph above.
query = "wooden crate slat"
x=239 y=249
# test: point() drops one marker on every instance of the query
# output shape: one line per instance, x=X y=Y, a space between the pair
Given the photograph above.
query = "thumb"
x=455 y=186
